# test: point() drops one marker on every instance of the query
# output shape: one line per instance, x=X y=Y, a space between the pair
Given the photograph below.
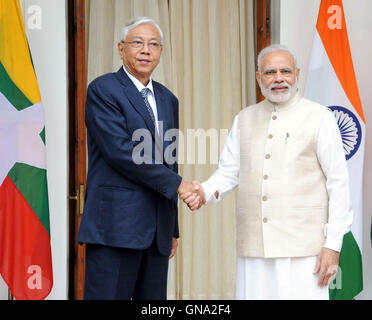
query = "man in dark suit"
x=130 y=223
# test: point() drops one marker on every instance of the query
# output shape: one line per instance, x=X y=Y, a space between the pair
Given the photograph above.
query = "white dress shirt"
x=150 y=96
x=331 y=157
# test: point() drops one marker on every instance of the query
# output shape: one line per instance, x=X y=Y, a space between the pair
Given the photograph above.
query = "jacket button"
x=274 y=117
x=266 y=177
x=264 y=198
x=267 y=156
x=265 y=220
x=270 y=136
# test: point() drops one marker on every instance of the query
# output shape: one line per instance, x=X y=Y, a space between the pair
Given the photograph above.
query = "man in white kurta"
x=286 y=156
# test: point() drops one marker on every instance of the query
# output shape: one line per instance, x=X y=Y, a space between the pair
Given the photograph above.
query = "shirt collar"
x=139 y=85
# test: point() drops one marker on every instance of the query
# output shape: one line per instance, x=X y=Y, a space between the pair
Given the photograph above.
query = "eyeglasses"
x=136 y=44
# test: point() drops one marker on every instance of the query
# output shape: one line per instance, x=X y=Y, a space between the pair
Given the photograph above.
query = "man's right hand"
x=187 y=187
x=194 y=200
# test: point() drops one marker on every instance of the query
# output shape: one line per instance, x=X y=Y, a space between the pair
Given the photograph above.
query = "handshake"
x=192 y=194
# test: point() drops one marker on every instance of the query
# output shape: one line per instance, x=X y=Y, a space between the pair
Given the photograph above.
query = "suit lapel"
x=165 y=113
x=161 y=107
x=135 y=99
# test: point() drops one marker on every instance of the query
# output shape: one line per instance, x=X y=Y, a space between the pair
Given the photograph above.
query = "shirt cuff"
x=333 y=244
x=209 y=193
x=335 y=236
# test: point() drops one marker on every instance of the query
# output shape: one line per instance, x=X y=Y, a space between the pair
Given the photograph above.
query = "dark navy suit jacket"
x=127 y=203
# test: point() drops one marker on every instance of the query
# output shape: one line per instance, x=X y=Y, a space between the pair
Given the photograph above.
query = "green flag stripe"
x=351 y=271
x=42 y=135
x=32 y=183
x=11 y=91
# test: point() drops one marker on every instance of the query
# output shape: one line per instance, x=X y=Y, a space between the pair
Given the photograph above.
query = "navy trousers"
x=123 y=274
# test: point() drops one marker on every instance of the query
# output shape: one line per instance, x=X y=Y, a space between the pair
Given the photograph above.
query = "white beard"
x=279 y=98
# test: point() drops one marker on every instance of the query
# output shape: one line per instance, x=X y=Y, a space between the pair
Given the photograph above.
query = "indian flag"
x=25 y=252
x=331 y=81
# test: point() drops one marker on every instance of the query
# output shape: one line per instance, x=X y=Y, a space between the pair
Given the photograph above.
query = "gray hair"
x=274 y=48
x=135 y=23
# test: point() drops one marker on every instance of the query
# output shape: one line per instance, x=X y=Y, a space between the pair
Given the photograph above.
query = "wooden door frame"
x=263 y=32
x=77 y=130
x=77 y=143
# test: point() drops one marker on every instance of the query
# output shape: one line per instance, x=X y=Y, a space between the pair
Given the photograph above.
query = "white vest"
x=282 y=197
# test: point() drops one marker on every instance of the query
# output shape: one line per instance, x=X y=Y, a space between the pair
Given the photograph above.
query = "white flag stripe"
x=20 y=139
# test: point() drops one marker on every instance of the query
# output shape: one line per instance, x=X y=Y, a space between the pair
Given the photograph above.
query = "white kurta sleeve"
x=331 y=157
x=226 y=177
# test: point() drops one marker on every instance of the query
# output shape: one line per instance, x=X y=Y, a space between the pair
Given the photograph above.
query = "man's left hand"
x=326 y=264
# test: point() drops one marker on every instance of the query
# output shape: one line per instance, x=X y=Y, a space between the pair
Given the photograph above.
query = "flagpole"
x=10 y=296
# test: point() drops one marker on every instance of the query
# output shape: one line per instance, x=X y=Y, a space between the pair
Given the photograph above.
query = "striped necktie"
x=144 y=93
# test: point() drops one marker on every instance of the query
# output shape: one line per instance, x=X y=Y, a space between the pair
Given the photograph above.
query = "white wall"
x=49 y=52
x=297 y=26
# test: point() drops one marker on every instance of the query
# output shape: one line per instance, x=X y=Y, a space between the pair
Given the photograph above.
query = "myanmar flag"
x=25 y=252
x=331 y=82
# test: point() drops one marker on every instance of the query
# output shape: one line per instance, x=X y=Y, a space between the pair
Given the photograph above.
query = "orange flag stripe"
x=336 y=43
